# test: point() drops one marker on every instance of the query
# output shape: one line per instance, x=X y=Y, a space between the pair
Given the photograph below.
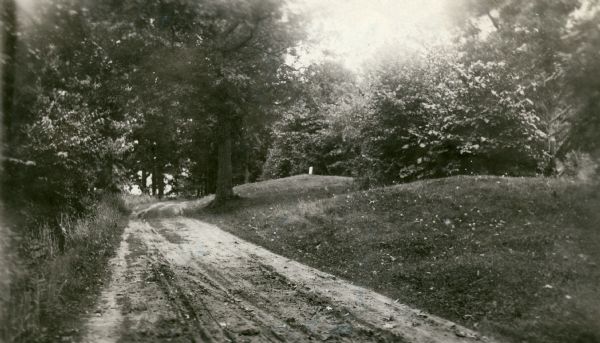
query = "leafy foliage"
x=430 y=114
x=513 y=94
x=66 y=122
x=436 y=116
x=316 y=130
x=551 y=45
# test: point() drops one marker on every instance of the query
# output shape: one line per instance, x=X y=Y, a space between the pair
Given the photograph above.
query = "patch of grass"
x=51 y=288
x=515 y=258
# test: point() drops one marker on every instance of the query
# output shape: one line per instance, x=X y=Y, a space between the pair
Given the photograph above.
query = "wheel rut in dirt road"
x=182 y=280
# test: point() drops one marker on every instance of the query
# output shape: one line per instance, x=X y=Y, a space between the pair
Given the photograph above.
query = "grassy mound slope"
x=516 y=258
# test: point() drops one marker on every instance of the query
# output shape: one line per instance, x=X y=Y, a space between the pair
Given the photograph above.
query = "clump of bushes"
x=417 y=118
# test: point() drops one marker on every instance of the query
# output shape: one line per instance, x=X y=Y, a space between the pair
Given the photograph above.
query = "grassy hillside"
x=516 y=258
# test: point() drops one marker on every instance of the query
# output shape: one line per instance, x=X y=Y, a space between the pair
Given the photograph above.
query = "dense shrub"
x=437 y=117
x=423 y=116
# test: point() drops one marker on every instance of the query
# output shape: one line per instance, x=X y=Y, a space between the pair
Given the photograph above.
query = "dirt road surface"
x=176 y=279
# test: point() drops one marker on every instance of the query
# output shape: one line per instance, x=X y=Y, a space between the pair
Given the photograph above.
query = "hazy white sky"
x=27 y=4
x=354 y=30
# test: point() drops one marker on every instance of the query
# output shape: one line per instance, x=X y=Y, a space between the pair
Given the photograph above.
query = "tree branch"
x=494 y=21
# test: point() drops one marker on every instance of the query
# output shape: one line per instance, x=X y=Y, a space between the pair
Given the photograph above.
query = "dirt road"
x=182 y=280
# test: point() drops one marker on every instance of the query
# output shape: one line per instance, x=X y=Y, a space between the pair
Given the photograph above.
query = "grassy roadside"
x=515 y=258
x=50 y=291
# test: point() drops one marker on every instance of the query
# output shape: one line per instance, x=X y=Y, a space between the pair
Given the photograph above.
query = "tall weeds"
x=5 y=270
x=51 y=284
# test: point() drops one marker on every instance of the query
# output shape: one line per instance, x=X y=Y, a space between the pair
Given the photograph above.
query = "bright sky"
x=354 y=30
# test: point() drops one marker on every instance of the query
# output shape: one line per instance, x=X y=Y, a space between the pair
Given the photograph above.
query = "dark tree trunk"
x=246 y=165
x=143 y=186
x=161 y=189
x=158 y=179
x=110 y=180
x=224 y=189
x=246 y=174
x=154 y=180
x=160 y=185
x=9 y=49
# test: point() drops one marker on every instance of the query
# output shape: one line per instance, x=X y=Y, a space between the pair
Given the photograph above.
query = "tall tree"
x=529 y=38
x=245 y=46
x=69 y=121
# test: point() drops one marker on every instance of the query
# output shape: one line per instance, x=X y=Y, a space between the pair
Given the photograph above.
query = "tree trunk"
x=110 y=180
x=246 y=174
x=224 y=189
x=160 y=178
x=9 y=49
x=154 y=180
x=161 y=188
x=246 y=165
x=143 y=185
